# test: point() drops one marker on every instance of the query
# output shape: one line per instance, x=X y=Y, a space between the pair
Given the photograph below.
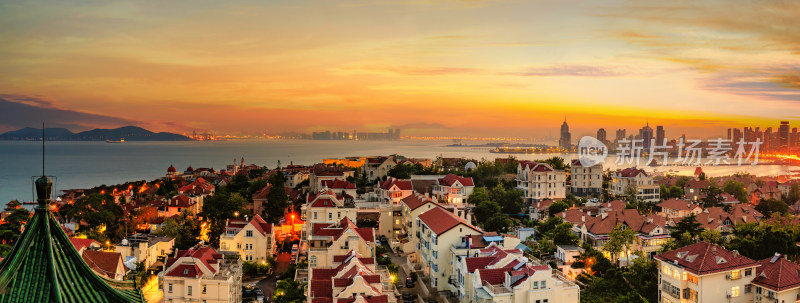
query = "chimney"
x=604 y=215
x=713 y=249
x=583 y=218
x=735 y=253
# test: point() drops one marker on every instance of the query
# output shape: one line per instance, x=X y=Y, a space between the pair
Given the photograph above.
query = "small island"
x=116 y=135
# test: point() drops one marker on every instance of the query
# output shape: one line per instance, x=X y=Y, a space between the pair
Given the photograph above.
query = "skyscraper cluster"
x=784 y=138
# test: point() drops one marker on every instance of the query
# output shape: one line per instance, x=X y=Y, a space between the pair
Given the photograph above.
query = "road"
x=267 y=285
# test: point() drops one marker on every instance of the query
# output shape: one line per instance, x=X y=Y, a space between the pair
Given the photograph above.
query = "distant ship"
x=115 y=141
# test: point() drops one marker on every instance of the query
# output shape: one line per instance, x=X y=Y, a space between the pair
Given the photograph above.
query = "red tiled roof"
x=338 y=184
x=704 y=258
x=81 y=243
x=779 y=275
x=440 y=220
x=574 y=216
x=103 y=262
x=401 y=184
x=180 y=201
x=415 y=201
x=631 y=172
x=493 y=276
x=451 y=178
x=323 y=202
x=615 y=205
x=185 y=270
x=697 y=184
x=678 y=204
x=321 y=288
x=628 y=217
x=474 y=263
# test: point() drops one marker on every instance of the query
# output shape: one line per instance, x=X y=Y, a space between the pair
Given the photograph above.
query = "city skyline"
x=430 y=68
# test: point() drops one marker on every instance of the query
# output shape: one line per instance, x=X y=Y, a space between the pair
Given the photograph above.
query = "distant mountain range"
x=129 y=133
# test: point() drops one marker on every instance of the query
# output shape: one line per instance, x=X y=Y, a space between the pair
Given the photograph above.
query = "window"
x=315 y=215
x=544 y=284
x=339 y=215
x=736 y=274
x=676 y=274
x=748 y=288
x=169 y=288
x=666 y=270
x=748 y=272
x=758 y=290
x=249 y=233
x=535 y=284
x=204 y=288
x=735 y=291
x=691 y=278
x=189 y=290
x=313 y=261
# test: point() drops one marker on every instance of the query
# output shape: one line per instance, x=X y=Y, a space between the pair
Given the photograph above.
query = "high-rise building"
x=601 y=135
x=646 y=133
x=783 y=135
x=620 y=134
x=565 y=141
x=660 y=135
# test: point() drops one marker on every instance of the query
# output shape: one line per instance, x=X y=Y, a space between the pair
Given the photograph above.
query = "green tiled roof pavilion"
x=44 y=266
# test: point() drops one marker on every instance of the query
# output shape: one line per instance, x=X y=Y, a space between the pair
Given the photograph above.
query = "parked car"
x=295 y=249
x=406 y=296
x=409 y=283
x=384 y=239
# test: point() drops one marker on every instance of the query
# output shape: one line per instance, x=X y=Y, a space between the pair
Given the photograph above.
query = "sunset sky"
x=429 y=67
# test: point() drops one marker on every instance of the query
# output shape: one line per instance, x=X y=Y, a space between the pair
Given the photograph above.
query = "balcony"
x=734 y=276
x=495 y=289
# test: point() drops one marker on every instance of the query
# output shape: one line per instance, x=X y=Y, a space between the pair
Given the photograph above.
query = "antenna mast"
x=42 y=148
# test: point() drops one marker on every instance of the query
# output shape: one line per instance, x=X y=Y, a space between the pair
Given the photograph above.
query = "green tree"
x=185 y=229
x=622 y=238
x=218 y=209
x=277 y=199
x=688 y=225
x=510 y=201
x=401 y=171
x=97 y=210
x=12 y=228
x=289 y=291
x=768 y=207
x=736 y=189
x=675 y=192
x=713 y=196
x=642 y=275
x=546 y=228
x=478 y=195
x=542 y=247
x=557 y=207
x=794 y=194
x=485 y=210
x=500 y=223
x=613 y=247
x=562 y=235
x=711 y=236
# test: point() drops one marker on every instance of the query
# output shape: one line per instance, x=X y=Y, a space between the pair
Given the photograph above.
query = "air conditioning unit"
x=728 y=276
x=728 y=296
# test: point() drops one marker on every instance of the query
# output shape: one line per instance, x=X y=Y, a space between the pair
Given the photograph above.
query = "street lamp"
x=236 y=214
